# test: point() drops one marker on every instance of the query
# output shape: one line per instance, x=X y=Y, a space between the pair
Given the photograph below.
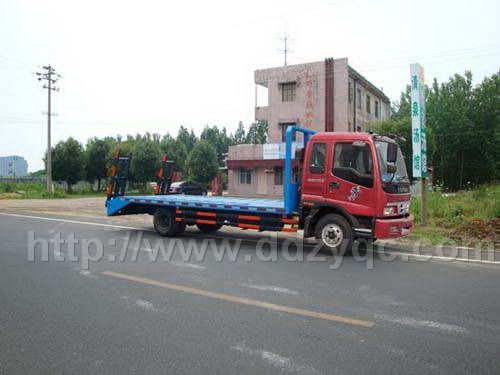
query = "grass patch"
x=11 y=190
x=465 y=216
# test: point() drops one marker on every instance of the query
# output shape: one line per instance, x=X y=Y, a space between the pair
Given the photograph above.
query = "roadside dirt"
x=75 y=207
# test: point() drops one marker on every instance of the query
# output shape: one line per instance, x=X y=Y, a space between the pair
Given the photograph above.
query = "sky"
x=130 y=67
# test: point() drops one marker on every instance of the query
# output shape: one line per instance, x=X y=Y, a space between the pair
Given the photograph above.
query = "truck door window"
x=317 y=160
x=353 y=163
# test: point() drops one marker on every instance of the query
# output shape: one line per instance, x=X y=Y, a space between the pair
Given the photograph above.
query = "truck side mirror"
x=391 y=168
x=392 y=152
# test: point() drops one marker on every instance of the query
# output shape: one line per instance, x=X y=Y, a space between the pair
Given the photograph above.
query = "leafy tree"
x=218 y=139
x=187 y=138
x=39 y=173
x=463 y=130
x=68 y=162
x=96 y=154
x=239 y=136
x=146 y=159
x=202 y=164
x=175 y=151
x=257 y=133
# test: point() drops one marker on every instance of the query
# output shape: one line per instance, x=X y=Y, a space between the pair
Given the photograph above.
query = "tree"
x=463 y=130
x=39 y=173
x=218 y=139
x=239 y=135
x=175 y=151
x=187 y=138
x=96 y=154
x=146 y=159
x=68 y=162
x=202 y=164
x=257 y=133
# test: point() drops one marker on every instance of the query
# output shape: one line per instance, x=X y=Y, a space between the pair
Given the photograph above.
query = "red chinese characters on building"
x=309 y=104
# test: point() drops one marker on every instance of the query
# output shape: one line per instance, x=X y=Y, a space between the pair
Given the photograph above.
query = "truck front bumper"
x=393 y=228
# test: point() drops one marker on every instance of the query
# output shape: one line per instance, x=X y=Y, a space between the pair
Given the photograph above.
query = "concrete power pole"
x=50 y=75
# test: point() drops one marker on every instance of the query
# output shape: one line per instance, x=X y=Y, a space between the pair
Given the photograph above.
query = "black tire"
x=165 y=224
x=335 y=234
x=208 y=228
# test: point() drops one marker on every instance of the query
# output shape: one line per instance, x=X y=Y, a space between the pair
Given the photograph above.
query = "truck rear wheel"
x=335 y=233
x=208 y=228
x=165 y=224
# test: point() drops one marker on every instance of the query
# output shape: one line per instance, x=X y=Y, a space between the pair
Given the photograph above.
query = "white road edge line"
x=432 y=257
x=70 y=221
x=438 y=257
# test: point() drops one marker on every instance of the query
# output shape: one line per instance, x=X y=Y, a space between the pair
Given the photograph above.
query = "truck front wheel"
x=335 y=233
x=165 y=224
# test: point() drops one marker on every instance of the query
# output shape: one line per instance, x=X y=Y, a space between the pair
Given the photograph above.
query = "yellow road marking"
x=242 y=301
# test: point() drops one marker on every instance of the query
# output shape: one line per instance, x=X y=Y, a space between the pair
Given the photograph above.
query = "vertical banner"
x=418 y=131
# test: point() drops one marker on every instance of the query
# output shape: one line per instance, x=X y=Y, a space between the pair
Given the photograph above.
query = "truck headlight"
x=390 y=210
x=399 y=208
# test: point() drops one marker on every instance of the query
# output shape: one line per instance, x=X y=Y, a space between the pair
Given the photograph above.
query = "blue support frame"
x=291 y=189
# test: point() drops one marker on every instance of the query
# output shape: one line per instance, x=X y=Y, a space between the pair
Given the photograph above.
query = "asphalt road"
x=241 y=317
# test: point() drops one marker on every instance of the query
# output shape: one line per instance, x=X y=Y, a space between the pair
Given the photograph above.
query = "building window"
x=288 y=91
x=377 y=110
x=368 y=104
x=284 y=127
x=353 y=163
x=317 y=160
x=245 y=176
x=350 y=92
x=278 y=175
x=358 y=98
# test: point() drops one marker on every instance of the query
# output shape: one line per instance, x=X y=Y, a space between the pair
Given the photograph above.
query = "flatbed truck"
x=348 y=186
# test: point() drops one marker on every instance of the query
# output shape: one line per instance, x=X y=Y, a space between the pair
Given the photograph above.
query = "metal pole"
x=49 y=147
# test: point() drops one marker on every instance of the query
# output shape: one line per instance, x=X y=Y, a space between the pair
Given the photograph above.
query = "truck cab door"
x=314 y=171
x=350 y=178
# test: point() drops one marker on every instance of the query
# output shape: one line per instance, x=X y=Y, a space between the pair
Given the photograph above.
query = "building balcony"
x=261 y=113
x=245 y=152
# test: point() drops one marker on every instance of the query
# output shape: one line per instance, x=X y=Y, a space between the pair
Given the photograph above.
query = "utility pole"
x=48 y=75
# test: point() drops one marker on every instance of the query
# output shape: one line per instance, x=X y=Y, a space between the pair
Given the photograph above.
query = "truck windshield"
x=401 y=175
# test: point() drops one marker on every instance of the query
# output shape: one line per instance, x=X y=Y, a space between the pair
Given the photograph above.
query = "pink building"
x=324 y=96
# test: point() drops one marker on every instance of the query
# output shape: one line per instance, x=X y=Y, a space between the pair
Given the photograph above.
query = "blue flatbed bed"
x=172 y=212
x=124 y=204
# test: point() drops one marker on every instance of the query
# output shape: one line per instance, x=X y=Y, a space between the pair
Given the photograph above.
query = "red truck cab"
x=354 y=185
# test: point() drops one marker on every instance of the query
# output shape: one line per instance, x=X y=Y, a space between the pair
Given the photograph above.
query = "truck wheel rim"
x=164 y=220
x=332 y=235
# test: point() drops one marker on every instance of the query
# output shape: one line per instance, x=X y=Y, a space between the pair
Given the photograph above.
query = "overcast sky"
x=137 y=66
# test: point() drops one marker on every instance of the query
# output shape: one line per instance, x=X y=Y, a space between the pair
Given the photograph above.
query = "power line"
x=50 y=76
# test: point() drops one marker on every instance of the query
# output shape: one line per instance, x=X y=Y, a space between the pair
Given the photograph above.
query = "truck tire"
x=335 y=234
x=165 y=224
x=208 y=228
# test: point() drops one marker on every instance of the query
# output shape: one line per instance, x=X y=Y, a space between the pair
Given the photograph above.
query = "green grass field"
x=10 y=190
x=465 y=216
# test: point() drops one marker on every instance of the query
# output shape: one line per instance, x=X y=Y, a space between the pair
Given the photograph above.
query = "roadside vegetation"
x=35 y=190
x=464 y=216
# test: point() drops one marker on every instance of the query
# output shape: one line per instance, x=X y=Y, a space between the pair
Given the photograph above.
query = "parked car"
x=188 y=188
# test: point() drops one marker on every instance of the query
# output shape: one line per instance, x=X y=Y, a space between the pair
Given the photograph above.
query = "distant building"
x=13 y=166
x=324 y=96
